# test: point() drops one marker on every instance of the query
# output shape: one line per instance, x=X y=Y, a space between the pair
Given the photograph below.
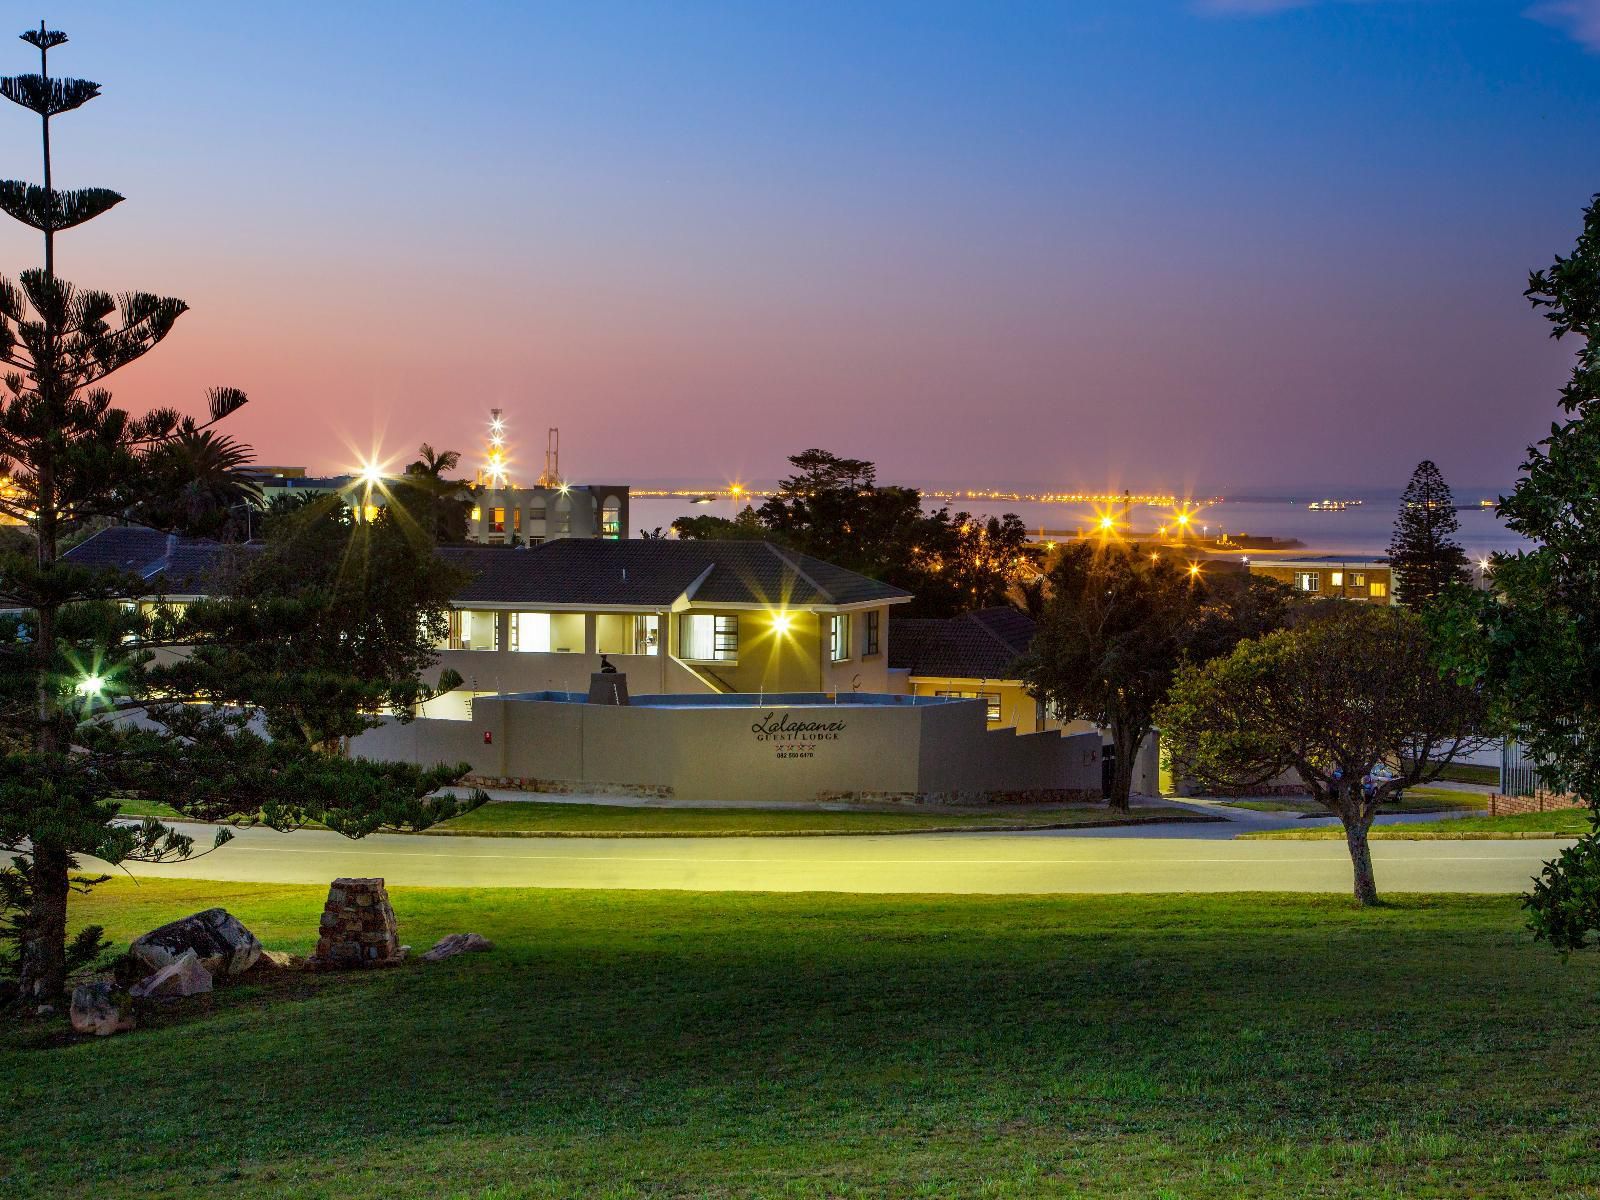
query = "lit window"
x=471 y=630
x=1358 y=579
x=992 y=701
x=477 y=513
x=1378 y=590
x=839 y=636
x=498 y=523
x=1336 y=579
x=708 y=638
x=530 y=632
x=1308 y=581
x=871 y=643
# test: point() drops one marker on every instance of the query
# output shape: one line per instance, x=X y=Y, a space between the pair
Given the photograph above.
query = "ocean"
x=1356 y=529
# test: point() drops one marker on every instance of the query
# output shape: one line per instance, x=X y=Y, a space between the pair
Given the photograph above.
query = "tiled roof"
x=978 y=645
x=656 y=572
x=123 y=548
x=185 y=566
x=569 y=571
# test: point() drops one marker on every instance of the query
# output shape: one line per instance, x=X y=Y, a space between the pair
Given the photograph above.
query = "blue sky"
x=1215 y=245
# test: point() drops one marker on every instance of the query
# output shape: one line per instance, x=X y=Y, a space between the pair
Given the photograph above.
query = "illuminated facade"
x=1364 y=577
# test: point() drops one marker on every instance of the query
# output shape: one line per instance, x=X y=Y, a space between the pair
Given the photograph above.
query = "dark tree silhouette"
x=1423 y=552
x=77 y=649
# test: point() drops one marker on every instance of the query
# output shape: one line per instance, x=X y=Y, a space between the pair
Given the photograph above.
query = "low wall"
x=941 y=753
x=1505 y=806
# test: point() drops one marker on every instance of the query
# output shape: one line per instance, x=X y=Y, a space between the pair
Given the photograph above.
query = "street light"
x=91 y=687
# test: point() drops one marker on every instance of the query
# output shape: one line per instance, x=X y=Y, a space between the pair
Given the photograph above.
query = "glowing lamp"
x=781 y=623
x=91 y=686
x=1194 y=569
x=1107 y=523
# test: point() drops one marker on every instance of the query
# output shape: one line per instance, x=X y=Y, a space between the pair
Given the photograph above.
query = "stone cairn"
x=358 y=928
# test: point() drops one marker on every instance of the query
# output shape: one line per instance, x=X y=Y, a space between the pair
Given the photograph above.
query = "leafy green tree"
x=1533 y=641
x=745 y=527
x=1346 y=689
x=76 y=648
x=332 y=623
x=834 y=508
x=1423 y=552
x=1119 y=623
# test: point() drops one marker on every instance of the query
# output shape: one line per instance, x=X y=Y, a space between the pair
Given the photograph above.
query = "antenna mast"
x=552 y=460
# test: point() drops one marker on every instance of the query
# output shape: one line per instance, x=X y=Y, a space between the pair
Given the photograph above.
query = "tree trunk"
x=1122 y=768
x=44 y=944
x=1355 y=836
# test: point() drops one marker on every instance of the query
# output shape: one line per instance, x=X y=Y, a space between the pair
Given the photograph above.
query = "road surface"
x=1110 y=860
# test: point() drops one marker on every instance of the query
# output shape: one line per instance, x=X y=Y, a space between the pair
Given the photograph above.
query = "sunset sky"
x=1179 y=245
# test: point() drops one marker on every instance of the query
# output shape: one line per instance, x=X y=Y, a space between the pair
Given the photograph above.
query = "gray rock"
x=99 y=1008
x=183 y=977
x=457 y=943
x=223 y=946
x=278 y=960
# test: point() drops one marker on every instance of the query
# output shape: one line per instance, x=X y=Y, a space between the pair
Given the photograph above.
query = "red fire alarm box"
x=488 y=737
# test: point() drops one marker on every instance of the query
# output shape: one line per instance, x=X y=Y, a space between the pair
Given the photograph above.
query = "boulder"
x=184 y=976
x=457 y=943
x=278 y=960
x=100 y=1008
x=223 y=946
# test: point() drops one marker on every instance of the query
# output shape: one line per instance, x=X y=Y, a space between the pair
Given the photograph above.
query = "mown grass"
x=1558 y=823
x=533 y=818
x=805 y=1046
x=1417 y=800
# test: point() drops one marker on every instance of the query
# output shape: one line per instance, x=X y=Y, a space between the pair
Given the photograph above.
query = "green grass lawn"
x=578 y=820
x=1565 y=822
x=1471 y=773
x=803 y=1046
x=1417 y=800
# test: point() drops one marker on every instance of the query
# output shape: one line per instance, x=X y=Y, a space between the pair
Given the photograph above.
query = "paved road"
x=958 y=863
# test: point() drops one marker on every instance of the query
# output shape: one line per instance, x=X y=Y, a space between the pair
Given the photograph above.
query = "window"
x=471 y=630
x=1308 y=581
x=477 y=513
x=1378 y=590
x=708 y=638
x=611 y=519
x=1358 y=579
x=498 y=523
x=839 y=636
x=1336 y=579
x=992 y=700
x=870 y=645
x=516 y=520
x=646 y=634
x=530 y=632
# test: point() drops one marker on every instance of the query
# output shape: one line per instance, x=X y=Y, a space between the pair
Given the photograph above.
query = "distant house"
x=972 y=656
x=1365 y=577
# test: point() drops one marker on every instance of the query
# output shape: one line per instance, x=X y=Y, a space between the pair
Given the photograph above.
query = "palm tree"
x=208 y=483
x=439 y=504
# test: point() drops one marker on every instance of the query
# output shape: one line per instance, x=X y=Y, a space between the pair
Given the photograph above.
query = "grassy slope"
x=522 y=817
x=671 y=1044
x=1417 y=800
x=1567 y=822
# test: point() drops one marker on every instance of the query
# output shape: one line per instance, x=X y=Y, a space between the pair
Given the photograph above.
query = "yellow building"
x=972 y=656
x=1364 y=577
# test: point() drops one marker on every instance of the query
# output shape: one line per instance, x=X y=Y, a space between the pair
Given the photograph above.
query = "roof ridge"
x=785 y=556
x=976 y=618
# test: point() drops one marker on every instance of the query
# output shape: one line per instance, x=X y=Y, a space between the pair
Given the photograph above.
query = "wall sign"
x=795 y=739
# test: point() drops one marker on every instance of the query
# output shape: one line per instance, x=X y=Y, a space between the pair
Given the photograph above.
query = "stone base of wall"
x=1265 y=789
x=1505 y=806
x=565 y=787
